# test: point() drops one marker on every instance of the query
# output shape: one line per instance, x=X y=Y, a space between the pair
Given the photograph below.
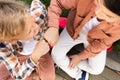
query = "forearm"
x=54 y=12
x=35 y=58
x=93 y=49
x=41 y=48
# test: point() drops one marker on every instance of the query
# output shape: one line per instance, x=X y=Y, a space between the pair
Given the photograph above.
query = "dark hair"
x=113 y=5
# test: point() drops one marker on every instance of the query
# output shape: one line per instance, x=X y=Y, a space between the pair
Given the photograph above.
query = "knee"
x=56 y=57
x=56 y=54
x=96 y=71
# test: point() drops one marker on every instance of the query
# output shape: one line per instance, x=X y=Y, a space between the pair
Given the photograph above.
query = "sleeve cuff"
x=31 y=63
x=86 y=54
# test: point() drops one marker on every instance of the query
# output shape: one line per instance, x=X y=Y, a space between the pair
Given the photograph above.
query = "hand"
x=41 y=49
x=75 y=60
x=51 y=35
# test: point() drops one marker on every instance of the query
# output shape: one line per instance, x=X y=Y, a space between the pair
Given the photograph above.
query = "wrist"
x=82 y=56
x=54 y=27
x=35 y=58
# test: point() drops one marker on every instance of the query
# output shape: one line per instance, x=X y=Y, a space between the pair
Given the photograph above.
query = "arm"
x=17 y=70
x=54 y=12
x=100 y=38
x=93 y=49
x=55 y=9
x=22 y=70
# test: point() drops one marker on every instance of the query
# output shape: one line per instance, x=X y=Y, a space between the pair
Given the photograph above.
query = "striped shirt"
x=8 y=51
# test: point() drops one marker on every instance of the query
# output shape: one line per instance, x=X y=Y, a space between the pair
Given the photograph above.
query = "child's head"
x=108 y=10
x=15 y=22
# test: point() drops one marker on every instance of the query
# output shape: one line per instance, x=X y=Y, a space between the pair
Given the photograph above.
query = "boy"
x=23 y=48
x=95 y=23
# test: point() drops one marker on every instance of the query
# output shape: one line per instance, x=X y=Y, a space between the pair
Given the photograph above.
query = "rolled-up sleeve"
x=38 y=10
x=17 y=70
x=55 y=10
x=101 y=38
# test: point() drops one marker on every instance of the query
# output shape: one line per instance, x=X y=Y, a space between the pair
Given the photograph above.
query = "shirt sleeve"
x=100 y=38
x=55 y=10
x=38 y=10
x=17 y=70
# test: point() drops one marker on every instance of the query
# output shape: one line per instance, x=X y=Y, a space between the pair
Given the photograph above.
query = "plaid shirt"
x=8 y=51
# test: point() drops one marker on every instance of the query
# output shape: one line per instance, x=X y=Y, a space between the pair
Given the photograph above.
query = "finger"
x=71 y=56
x=71 y=65
x=51 y=44
x=49 y=41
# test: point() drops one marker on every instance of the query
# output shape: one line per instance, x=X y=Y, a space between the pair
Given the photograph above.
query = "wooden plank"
x=58 y=77
x=97 y=77
x=110 y=74
x=107 y=74
x=63 y=74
